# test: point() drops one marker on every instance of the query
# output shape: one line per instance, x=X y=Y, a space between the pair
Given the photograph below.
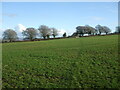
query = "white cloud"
x=20 y=28
x=97 y=18
x=11 y=15
x=61 y=31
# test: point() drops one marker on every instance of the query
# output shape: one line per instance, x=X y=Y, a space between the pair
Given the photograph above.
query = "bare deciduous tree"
x=30 y=33
x=81 y=30
x=45 y=31
x=100 y=29
x=54 y=32
x=90 y=30
x=10 y=35
x=106 y=29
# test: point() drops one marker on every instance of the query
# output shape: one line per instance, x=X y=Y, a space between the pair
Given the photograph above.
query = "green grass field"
x=87 y=62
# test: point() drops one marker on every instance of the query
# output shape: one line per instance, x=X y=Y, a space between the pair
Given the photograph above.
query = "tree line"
x=31 y=33
x=98 y=30
x=46 y=32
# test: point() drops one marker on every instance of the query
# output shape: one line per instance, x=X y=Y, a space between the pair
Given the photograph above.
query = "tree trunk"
x=54 y=36
x=30 y=38
x=10 y=40
x=44 y=37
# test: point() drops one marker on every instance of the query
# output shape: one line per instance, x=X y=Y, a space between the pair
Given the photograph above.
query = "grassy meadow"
x=86 y=62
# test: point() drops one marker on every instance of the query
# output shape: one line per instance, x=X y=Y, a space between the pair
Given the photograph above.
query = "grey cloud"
x=9 y=15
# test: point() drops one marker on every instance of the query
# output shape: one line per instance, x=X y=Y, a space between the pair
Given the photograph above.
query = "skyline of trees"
x=45 y=31
x=103 y=29
x=98 y=30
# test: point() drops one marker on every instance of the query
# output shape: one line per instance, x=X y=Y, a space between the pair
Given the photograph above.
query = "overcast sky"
x=64 y=16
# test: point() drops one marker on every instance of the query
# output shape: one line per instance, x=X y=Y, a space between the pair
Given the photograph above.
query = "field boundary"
x=58 y=38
